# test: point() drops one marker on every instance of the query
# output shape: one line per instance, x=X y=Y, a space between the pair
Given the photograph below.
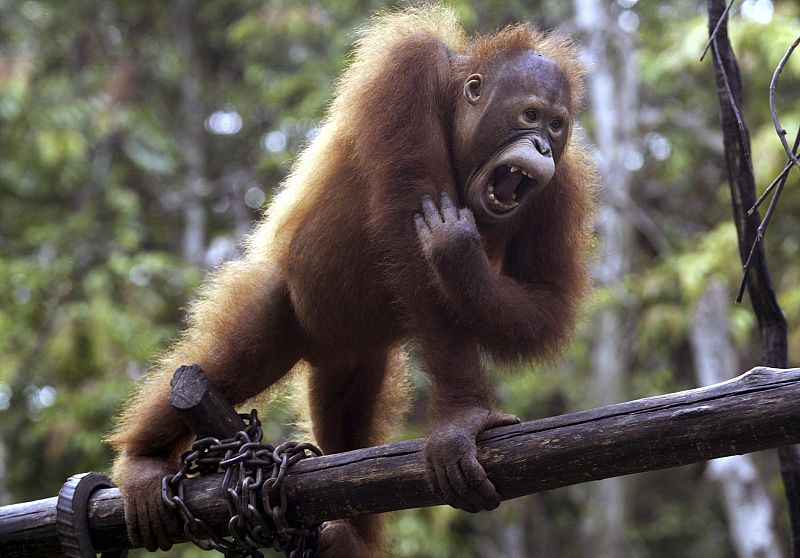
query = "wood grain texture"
x=755 y=411
x=199 y=404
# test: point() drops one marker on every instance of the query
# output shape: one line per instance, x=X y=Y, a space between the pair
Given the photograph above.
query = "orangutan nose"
x=542 y=145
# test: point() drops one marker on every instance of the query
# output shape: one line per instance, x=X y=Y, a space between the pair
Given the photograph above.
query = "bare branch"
x=713 y=35
x=772 y=85
x=742 y=130
x=780 y=178
x=780 y=182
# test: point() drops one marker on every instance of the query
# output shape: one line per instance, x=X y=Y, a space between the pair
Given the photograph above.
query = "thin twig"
x=742 y=132
x=716 y=28
x=781 y=178
x=743 y=284
x=762 y=228
x=746 y=267
x=780 y=181
x=778 y=128
x=772 y=185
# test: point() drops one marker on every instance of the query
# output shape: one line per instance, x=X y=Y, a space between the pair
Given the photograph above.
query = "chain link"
x=246 y=462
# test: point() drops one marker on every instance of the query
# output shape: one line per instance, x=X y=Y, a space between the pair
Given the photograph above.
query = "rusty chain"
x=254 y=474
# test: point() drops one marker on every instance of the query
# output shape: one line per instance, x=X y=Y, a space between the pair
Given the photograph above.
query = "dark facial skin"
x=513 y=125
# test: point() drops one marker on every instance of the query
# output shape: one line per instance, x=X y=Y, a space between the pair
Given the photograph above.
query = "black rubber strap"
x=72 y=519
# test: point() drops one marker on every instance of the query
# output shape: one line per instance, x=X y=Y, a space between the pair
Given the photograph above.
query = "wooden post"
x=200 y=406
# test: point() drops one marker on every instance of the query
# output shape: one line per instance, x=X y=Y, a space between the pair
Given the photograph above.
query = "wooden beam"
x=756 y=411
x=200 y=406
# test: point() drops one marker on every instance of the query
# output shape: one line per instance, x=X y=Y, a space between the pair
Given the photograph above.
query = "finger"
x=431 y=212
x=479 y=483
x=132 y=520
x=423 y=230
x=465 y=498
x=147 y=538
x=466 y=214
x=160 y=519
x=326 y=537
x=446 y=490
x=449 y=212
x=430 y=476
x=502 y=419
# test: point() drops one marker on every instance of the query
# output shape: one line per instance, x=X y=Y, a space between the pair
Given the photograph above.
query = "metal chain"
x=246 y=462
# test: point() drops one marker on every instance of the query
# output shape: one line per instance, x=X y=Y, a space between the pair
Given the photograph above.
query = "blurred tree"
x=748 y=508
x=613 y=91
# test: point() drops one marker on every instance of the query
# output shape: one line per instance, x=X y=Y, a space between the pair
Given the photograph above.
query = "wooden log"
x=755 y=411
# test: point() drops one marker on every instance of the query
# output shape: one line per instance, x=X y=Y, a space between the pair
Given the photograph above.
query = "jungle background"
x=140 y=140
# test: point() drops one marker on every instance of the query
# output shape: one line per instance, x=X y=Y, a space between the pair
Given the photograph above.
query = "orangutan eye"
x=556 y=124
x=531 y=115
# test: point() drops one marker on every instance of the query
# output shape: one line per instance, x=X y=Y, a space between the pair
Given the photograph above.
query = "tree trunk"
x=191 y=135
x=747 y=505
x=5 y=497
x=613 y=98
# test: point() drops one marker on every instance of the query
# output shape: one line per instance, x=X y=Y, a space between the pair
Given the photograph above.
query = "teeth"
x=497 y=203
x=501 y=205
x=523 y=171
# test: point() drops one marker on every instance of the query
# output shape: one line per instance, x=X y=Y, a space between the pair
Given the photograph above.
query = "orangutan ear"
x=472 y=88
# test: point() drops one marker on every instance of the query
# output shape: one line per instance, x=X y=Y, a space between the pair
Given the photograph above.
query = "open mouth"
x=500 y=186
x=507 y=186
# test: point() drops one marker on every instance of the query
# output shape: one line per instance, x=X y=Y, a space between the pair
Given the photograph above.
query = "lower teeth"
x=497 y=203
